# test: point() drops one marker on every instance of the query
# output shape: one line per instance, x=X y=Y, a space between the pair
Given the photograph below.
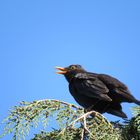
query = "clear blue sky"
x=36 y=36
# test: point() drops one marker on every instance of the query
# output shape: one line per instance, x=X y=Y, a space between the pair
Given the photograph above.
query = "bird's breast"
x=83 y=100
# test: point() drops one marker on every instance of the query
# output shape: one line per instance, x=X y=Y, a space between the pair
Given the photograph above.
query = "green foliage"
x=131 y=131
x=27 y=115
x=73 y=134
x=73 y=123
x=136 y=110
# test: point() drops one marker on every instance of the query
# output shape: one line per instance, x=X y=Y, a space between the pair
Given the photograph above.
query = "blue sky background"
x=36 y=36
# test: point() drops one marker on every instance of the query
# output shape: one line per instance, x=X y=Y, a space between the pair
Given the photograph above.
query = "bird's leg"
x=88 y=109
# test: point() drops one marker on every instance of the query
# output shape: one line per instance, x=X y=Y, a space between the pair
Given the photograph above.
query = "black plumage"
x=99 y=92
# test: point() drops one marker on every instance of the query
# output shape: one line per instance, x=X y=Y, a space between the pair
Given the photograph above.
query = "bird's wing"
x=89 y=85
x=111 y=81
x=117 y=87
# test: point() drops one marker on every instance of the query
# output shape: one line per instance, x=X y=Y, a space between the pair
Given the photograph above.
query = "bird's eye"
x=73 y=67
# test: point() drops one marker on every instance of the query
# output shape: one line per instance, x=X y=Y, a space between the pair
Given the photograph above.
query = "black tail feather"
x=118 y=113
x=137 y=102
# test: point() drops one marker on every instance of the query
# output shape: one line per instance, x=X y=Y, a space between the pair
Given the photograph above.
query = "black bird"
x=99 y=92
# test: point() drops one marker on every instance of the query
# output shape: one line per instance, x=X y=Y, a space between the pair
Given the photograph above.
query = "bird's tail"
x=118 y=113
x=137 y=102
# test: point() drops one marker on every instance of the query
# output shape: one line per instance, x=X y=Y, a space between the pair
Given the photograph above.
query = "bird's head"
x=70 y=71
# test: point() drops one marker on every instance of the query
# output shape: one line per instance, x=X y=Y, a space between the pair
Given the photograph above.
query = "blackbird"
x=99 y=92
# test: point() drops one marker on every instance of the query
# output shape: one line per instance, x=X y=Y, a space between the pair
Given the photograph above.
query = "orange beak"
x=61 y=70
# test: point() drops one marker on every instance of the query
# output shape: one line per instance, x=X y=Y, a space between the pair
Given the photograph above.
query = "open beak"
x=61 y=70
